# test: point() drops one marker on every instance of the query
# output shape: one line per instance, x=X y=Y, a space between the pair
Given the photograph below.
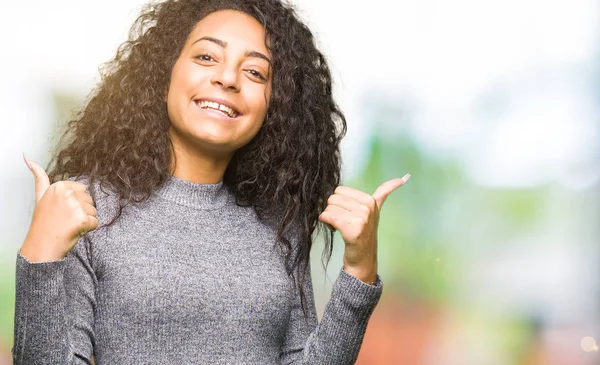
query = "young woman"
x=176 y=223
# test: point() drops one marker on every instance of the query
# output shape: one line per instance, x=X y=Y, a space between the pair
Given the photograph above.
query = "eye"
x=205 y=57
x=257 y=75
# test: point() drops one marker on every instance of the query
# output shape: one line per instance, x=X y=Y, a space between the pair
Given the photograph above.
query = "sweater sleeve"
x=54 y=309
x=338 y=337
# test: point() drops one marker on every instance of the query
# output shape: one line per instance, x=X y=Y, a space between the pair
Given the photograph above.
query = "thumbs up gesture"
x=63 y=213
x=355 y=215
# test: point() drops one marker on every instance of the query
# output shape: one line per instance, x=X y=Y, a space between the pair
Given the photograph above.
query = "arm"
x=338 y=337
x=54 y=309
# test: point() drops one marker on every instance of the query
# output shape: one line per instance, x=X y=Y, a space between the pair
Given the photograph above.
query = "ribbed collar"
x=194 y=195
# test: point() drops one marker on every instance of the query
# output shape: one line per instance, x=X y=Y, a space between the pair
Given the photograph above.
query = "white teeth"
x=216 y=106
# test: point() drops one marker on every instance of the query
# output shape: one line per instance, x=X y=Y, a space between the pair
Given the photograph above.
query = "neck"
x=197 y=165
x=193 y=195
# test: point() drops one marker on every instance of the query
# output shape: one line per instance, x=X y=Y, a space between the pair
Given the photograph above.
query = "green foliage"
x=414 y=242
x=431 y=227
x=7 y=304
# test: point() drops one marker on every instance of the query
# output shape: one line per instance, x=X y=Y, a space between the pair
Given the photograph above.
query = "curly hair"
x=119 y=138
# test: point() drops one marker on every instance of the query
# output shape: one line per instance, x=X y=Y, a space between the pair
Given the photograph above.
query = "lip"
x=225 y=102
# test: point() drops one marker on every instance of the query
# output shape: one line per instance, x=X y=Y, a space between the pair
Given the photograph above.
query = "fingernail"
x=405 y=178
x=27 y=162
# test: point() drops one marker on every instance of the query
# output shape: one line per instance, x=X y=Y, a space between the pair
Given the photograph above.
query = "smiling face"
x=220 y=84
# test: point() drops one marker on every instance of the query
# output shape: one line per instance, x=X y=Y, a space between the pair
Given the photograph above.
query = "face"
x=220 y=84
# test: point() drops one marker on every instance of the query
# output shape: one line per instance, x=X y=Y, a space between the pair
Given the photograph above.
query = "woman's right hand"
x=63 y=212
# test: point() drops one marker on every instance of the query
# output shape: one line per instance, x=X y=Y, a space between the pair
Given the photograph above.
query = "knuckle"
x=79 y=216
x=83 y=226
x=365 y=209
x=331 y=199
x=82 y=219
x=360 y=222
x=371 y=202
x=67 y=193
x=56 y=188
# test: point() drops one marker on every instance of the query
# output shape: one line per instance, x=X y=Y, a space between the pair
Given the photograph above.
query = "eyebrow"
x=223 y=44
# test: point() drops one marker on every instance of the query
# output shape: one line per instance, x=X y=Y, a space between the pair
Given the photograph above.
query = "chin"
x=217 y=145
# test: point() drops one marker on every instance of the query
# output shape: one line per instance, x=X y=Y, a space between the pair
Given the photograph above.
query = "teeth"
x=216 y=106
x=226 y=109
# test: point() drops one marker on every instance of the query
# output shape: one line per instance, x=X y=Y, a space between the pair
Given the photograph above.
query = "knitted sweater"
x=188 y=277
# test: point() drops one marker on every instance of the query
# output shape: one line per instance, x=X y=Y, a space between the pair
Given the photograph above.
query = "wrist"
x=367 y=277
x=37 y=251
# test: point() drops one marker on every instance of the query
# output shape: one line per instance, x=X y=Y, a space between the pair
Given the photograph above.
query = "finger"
x=92 y=224
x=42 y=182
x=334 y=216
x=356 y=194
x=74 y=185
x=387 y=187
x=89 y=209
x=345 y=202
x=84 y=197
x=329 y=219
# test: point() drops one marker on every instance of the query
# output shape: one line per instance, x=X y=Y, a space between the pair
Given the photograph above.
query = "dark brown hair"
x=120 y=137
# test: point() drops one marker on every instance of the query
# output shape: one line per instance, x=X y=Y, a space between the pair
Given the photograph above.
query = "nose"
x=226 y=76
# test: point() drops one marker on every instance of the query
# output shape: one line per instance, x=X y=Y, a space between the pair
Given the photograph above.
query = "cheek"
x=181 y=90
x=183 y=78
x=172 y=92
x=260 y=102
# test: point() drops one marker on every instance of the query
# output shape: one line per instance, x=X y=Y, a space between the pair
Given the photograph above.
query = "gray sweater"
x=188 y=277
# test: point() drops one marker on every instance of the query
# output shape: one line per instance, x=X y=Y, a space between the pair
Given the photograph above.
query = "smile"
x=224 y=109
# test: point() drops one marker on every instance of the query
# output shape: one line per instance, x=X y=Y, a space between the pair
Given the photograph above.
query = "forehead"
x=233 y=27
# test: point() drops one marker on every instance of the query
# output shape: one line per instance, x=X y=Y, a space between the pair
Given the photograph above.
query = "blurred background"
x=490 y=253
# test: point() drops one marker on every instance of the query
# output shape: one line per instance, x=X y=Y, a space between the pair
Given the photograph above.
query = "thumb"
x=42 y=182
x=387 y=187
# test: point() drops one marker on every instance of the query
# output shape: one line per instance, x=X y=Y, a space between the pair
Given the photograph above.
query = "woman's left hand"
x=355 y=215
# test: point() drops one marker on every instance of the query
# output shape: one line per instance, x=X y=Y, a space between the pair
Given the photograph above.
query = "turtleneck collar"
x=194 y=195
